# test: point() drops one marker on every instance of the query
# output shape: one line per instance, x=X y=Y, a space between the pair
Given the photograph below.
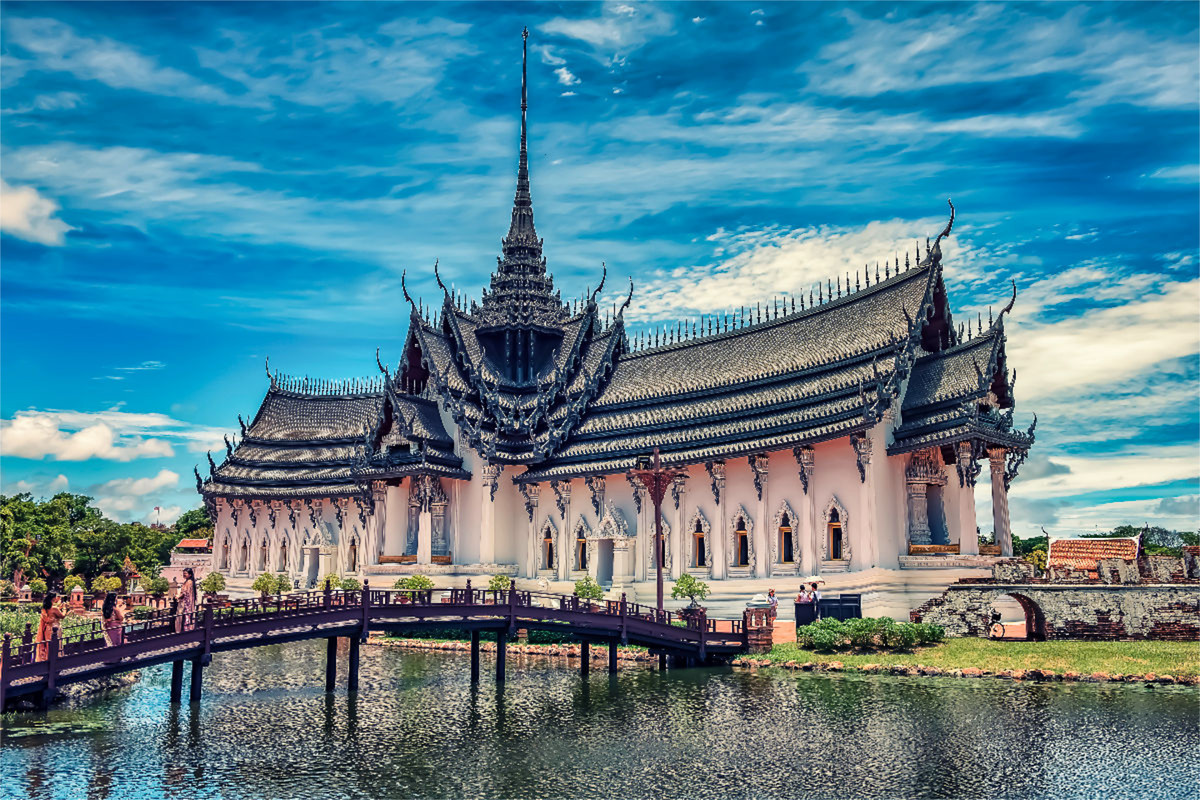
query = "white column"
x=679 y=537
x=425 y=537
x=807 y=513
x=968 y=536
x=531 y=538
x=1000 y=519
x=564 y=533
x=623 y=550
x=487 y=513
x=378 y=520
x=762 y=566
x=866 y=506
x=717 y=537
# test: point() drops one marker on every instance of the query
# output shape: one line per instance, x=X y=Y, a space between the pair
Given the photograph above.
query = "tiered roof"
x=1086 y=554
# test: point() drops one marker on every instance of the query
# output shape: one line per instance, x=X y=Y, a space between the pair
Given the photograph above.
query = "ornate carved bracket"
x=716 y=474
x=968 y=465
x=292 y=508
x=678 y=485
x=925 y=466
x=491 y=478
x=314 y=513
x=562 y=495
x=862 y=453
x=529 y=493
x=638 y=488
x=758 y=466
x=253 y=511
x=596 y=486
x=805 y=460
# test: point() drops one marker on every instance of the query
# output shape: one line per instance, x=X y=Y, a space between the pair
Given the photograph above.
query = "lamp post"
x=656 y=478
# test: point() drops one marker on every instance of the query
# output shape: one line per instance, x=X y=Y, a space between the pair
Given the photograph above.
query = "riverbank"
x=1138 y=662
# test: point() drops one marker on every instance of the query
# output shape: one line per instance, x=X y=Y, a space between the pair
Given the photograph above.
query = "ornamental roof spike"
x=270 y=377
x=949 y=227
x=212 y=465
x=979 y=327
x=906 y=264
x=793 y=299
x=839 y=286
x=1011 y=302
x=829 y=286
x=887 y=269
x=991 y=322
x=820 y=294
x=877 y=272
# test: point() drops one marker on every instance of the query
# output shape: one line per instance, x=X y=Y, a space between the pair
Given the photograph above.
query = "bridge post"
x=624 y=621
x=197 y=679
x=331 y=664
x=4 y=661
x=474 y=656
x=501 y=647
x=177 y=681
x=352 y=677
x=366 y=604
x=612 y=657
x=585 y=658
x=51 y=670
x=662 y=662
x=206 y=654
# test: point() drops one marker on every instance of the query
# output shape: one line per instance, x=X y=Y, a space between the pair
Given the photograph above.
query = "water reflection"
x=418 y=727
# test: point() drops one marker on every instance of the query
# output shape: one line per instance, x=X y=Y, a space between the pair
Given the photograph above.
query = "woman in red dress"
x=52 y=614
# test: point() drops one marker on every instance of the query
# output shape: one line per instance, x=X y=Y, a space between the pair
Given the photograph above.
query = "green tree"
x=499 y=583
x=331 y=581
x=688 y=586
x=193 y=524
x=264 y=584
x=213 y=582
x=587 y=589
x=283 y=584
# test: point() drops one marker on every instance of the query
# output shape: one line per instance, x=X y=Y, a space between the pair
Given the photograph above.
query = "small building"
x=1085 y=554
x=194 y=553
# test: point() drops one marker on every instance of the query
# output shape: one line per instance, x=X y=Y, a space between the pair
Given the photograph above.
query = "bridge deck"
x=82 y=652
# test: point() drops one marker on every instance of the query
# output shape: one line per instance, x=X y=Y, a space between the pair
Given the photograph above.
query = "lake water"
x=418 y=729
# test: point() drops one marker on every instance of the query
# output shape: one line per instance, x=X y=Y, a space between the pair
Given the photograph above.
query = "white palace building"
x=836 y=438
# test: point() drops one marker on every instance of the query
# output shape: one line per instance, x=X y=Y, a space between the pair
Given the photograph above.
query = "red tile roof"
x=201 y=543
x=1086 y=553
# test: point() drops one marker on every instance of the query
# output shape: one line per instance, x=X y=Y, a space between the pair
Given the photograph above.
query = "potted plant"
x=283 y=584
x=687 y=586
x=213 y=583
x=37 y=588
x=331 y=582
x=587 y=589
x=498 y=583
x=413 y=583
x=264 y=584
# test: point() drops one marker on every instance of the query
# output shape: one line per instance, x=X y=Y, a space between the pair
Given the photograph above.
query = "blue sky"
x=191 y=188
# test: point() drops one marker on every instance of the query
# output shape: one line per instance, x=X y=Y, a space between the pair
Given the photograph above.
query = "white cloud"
x=57 y=47
x=1184 y=173
x=566 y=77
x=698 y=20
x=107 y=435
x=59 y=484
x=548 y=57
x=27 y=215
x=618 y=26
x=567 y=94
x=144 y=366
x=165 y=515
x=121 y=498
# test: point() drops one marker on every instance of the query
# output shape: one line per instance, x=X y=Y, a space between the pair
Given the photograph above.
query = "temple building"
x=835 y=437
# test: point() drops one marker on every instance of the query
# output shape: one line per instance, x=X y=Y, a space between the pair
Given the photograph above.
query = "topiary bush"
x=158 y=586
x=283 y=584
x=213 y=582
x=687 y=586
x=331 y=582
x=414 y=583
x=37 y=586
x=499 y=583
x=264 y=584
x=350 y=585
x=105 y=584
x=587 y=589
x=71 y=581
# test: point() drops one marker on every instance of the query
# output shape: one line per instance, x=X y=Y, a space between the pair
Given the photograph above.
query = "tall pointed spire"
x=521 y=232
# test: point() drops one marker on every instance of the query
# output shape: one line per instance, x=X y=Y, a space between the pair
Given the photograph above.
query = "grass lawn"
x=1115 y=658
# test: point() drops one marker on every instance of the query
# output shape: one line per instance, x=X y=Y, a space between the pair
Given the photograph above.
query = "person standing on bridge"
x=114 y=620
x=187 y=602
x=52 y=614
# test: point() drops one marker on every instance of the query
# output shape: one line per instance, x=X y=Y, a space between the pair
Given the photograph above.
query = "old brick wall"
x=1072 y=611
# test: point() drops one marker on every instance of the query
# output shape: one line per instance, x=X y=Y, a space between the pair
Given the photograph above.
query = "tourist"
x=187 y=602
x=114 y=619
x=774 y=601
x=816 y=593
x=806 y=607
x=52 y=614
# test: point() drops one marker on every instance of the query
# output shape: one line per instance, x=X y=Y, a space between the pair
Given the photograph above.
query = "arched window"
x=580 y=549
x=835 y=535
x=225 y=547
x=352 y=556
x=699 y=557
x=742 y=540
x=244 y=560
x=547 y=548
x=786 y=556
x=283 y=556
x=262 y=555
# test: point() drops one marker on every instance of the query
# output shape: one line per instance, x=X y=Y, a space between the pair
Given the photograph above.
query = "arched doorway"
x=352 y=557
x=1015 y=616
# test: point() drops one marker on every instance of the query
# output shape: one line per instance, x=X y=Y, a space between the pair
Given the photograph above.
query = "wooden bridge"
x=81 y=652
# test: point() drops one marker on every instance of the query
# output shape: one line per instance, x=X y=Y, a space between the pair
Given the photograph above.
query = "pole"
x=197 y=679
x=585 y=658
x=474 y=656
x=176 y=681
x=352 y=677
x=658 y=547
x=331 y=664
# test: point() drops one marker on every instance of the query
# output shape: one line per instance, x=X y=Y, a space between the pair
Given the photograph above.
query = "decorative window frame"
x=776 y=523
x=666 y=535
x=548 y=525
x=285 y=545
x=740 y=512
x=706 y=528
x=352 y=541
x=581 y=531
x=612 y=525
x=844 y=519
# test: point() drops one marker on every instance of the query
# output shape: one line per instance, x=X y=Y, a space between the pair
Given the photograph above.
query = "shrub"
x=283 y=584
x=861 y=632
x=104 y=584
x=71 y=581
x=213 y=582
x=928 y=633
x=499 y=583
x=37 y=586
x=687 y=586
x=1037 y=557
x=587 y=589
x=805 y=634
x=414 y=583
x=264 y=584
x=7 y=589
x=158 y=586
x=141 y=612
x=331 y=581
x=350 y=585
x=825 y=640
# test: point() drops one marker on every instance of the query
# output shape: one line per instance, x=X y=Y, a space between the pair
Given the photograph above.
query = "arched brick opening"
x=1035 y=618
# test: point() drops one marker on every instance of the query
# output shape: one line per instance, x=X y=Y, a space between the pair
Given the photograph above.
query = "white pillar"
x=807 y=514
x=378 y=520
x=564 y=562
x=968 y=535
x=679 y=537
x=623 y=550
x=866 y=506
x=762 y=567
x=717 y=537
x=1000 y=519
x=425 y=537
x=487 y=513
x=531 y=538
